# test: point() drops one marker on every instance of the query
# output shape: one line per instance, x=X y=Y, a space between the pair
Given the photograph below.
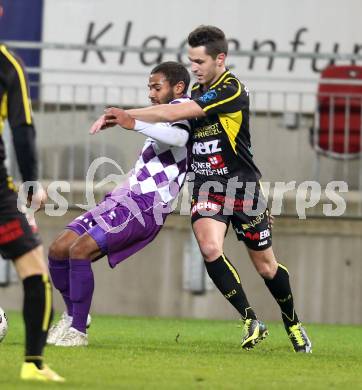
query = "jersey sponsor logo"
x=207 y=131
x=204 y=168
x=205 y=206
x=10 y=231
x=262 y=243
x=264 y=234
x=230 y=294
x=252 y=236
x=216 y=161
x=236 y=203
x=258 y=235
x=283 y=300
x=112 y=215
x=207 y=147
x=87 y=221
x=253 y=222
x=208 y=96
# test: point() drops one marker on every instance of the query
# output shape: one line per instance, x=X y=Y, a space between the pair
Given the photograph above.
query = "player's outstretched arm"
x=167 y=134
x=170 y=135
x=168 y=112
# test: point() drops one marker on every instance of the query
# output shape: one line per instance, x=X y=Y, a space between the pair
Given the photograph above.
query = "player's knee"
x=58 y=250
x=31 y=263
x=79 y=250
x=266 y=269
x=210 y=250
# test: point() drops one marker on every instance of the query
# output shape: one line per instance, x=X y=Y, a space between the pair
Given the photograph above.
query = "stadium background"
x=71 y=85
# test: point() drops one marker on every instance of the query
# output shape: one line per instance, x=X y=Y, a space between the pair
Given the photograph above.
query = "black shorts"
x=245 y=208
x=16 y=235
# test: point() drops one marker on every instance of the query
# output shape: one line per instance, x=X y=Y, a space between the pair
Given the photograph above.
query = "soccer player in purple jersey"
x=130 y=216
x=221 y=156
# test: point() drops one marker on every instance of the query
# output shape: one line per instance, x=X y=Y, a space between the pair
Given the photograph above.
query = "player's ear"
x=180 y=88
x=220 y=59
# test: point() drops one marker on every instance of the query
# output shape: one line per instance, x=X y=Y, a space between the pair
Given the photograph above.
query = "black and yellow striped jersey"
x=221 y=140
x=15 y=106
x=14 y=90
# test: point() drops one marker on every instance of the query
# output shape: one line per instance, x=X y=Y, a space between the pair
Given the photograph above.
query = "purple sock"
x=81 y=291
x=59 y=271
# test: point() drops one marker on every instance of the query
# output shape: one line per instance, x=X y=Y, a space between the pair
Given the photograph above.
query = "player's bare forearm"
x=167 y=112
x=160 y=113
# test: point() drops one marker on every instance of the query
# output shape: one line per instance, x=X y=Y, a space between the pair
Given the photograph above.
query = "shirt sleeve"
x=25 y=150
x=18 y=100
x=174 y=134
x=18 y=111
x=183 y=124
x=229 y=96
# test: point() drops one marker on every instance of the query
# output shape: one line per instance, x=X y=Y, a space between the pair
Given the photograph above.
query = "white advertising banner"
x=323 y=26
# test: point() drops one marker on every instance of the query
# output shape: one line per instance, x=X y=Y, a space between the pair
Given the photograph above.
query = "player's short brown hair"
x=211 y=37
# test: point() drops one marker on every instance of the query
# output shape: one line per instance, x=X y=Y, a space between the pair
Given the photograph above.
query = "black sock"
x=37 y=312
x=227 y=280
x=279 y=286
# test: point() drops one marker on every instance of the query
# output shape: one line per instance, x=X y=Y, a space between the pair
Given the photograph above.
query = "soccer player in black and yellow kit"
x=19 y=241
x=227 y=188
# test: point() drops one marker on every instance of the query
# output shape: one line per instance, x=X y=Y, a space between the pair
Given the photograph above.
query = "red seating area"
x=338 y=125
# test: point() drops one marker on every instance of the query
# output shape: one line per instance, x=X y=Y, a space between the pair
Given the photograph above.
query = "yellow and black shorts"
x=245 y=208
x=16 y=235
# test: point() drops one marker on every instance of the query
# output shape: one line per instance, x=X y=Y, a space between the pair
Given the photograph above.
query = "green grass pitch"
x=154 y=353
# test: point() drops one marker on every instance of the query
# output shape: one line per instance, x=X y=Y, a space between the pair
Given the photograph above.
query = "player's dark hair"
x=211 y=37
x=174 y=73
